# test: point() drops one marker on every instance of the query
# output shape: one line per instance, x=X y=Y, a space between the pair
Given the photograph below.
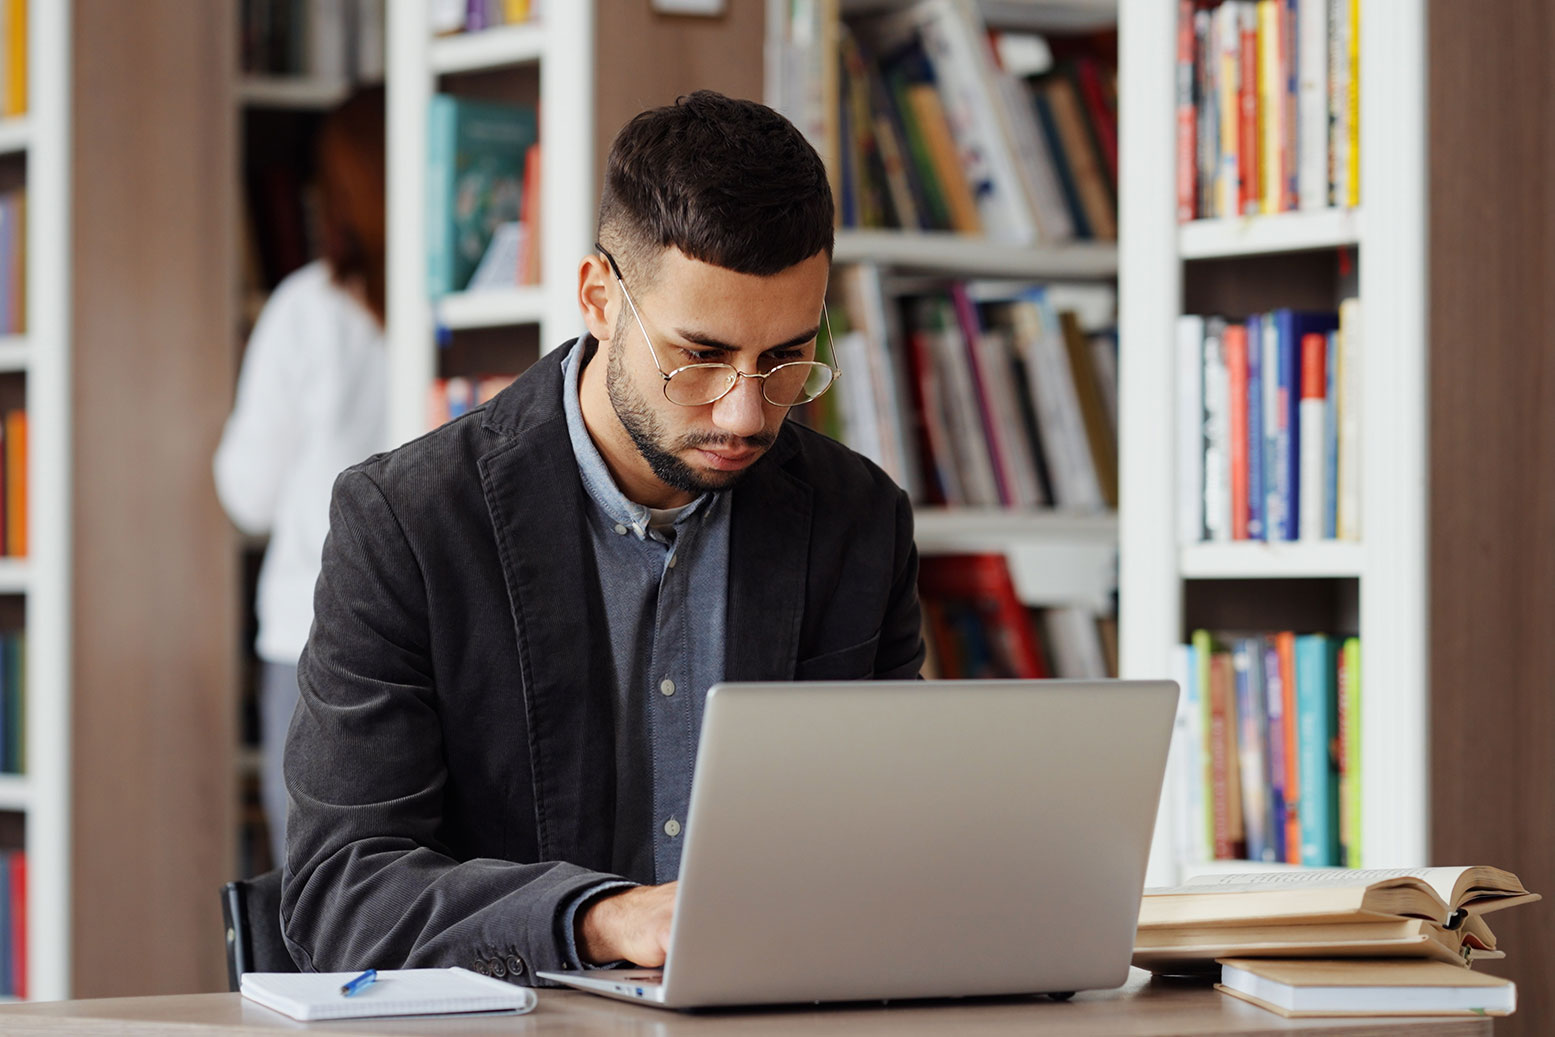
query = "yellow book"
x=929 y=114
x=1353 y=101
x=16 y=58
x=16 y=483
x=515 y=11
x=1271 y=104
x=1364 y=987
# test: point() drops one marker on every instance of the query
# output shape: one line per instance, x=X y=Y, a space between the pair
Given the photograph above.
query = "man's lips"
x=727 y=460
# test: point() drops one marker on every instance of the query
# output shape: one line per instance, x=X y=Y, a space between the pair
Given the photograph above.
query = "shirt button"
x=620 y=529
x=667 y=687
x=515 y=965
x=672 y=561
x=672 y=828
x=498 y=968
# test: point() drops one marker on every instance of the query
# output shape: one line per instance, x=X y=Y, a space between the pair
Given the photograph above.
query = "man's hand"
x=632 y=925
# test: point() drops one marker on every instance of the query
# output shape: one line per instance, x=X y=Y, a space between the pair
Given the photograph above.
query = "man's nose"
x=740 y=411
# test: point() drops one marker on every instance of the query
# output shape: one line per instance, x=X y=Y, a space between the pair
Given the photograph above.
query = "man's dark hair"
x=727 y=182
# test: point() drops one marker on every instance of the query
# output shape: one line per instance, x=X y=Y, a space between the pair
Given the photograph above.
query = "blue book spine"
x=1255 y=489
x=1268 y=343
x=1317 y=707
x=1290 y=326
x=1274 y=698
x=1331 y=444
x=1066 y=184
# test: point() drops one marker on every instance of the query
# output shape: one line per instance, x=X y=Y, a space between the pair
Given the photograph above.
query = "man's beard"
x=647 y=432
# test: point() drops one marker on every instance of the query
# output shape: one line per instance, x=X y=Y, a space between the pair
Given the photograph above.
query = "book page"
x=1441 y=880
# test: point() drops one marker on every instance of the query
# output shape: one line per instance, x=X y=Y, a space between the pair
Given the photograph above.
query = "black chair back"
x=251 y=909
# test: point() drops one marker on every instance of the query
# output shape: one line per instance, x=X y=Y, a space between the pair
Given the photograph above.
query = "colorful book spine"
x=1256 y=491
x=1252 y=732
x=1317 y=709
x=1203 y=649
x=1350 y=752
x=1285 y=650
x=1274 y=707
x=1249 y=151
x=1235 y=348
x=1313 y=425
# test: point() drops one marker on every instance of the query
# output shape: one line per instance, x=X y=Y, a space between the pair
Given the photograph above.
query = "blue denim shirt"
x=664 y=580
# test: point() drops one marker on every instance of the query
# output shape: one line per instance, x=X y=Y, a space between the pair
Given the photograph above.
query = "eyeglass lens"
x=787 y=385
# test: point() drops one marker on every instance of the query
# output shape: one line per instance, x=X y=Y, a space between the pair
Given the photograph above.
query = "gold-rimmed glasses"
x=786 y=384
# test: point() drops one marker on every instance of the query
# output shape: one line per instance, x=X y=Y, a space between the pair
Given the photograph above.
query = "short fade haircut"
x=727 y=182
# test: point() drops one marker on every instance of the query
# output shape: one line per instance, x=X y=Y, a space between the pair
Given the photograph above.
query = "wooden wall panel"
x=1492 y=540
x=644 y=60
x=155 y=588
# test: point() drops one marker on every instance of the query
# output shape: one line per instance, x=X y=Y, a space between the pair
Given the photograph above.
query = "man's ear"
x=594 y=296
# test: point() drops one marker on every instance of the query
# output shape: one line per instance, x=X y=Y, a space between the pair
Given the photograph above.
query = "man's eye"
x=702 y=356
x=783 y=356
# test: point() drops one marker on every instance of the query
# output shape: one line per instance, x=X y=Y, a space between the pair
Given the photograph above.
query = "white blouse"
x=310 y=403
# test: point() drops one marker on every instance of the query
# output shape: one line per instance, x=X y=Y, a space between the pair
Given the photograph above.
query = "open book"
x=1445 y=896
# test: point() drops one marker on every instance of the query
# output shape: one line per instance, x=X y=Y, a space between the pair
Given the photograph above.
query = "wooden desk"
x=1141 y=1008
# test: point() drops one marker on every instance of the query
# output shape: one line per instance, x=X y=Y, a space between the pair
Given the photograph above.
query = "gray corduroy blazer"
x=451 y=762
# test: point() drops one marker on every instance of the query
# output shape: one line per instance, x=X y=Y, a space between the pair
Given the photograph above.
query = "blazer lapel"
x=769 y=545
x=531 y=487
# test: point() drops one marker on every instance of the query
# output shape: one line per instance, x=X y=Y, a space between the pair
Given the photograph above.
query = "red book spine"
x=1219 y=761
x=1187 y=116
x=1247 y=143
x=1236 y=369
x=1103 y=123
x=1285 y=645
x=985 y=581
x=19 y=924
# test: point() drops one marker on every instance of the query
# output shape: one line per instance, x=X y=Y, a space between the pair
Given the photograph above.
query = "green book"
x=1350 y=708
x=475 y=182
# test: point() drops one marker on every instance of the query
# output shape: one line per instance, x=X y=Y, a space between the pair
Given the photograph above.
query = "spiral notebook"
x=316 y=995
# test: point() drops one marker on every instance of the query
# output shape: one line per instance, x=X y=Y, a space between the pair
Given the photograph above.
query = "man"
x=520 y=613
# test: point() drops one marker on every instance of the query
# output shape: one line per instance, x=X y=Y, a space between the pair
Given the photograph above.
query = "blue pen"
x=361 y=982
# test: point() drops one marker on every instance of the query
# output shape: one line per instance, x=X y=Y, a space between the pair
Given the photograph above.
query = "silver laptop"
x=883 y=840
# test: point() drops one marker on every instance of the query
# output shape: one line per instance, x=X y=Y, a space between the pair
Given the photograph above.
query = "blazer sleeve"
x=366 y=883
x=901 y=651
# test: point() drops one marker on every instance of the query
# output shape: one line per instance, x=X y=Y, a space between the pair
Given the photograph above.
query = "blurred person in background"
x=310 y=403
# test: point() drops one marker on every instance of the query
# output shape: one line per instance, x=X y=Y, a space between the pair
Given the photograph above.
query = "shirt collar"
x=597 y=481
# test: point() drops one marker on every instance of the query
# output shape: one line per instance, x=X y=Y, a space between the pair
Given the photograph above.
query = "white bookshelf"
x=43 y=795
x=500 y=47
x=1281 y=232
x=1389 y=563
x=561 y=46
x=1253 y=560
x=15 y=134
x=960 y=255
x=491 y=309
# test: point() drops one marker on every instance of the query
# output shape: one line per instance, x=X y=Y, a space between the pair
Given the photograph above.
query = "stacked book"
x=1266 y=755
x=927 y=121
x=977 y=627
x=1269 y=426
x=977 y=394
x=1333 y=941
x=1268 y=106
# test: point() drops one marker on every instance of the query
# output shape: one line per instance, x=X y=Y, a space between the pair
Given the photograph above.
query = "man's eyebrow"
x=710 y=342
